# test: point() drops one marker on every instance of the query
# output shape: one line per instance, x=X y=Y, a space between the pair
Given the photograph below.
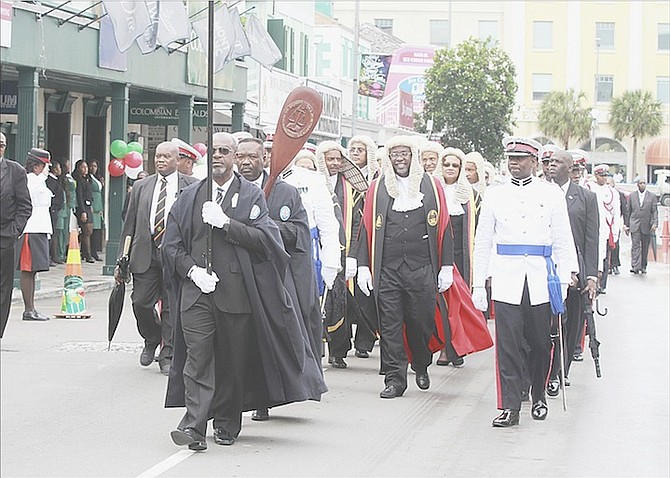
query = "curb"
x=91 y=286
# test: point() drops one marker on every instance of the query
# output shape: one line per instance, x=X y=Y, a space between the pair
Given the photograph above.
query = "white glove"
x=350 y=271
x=445 y=278
x=364 y=279
x=479 y=298
x=205 y=282
x=328 y=275
x=213 y=215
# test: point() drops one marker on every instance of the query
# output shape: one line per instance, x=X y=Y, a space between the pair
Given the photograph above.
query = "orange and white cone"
x=73 y=305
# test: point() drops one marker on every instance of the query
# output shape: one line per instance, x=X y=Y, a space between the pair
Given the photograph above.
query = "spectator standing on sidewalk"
x=32 y=247
x=84 y=210
x=55 y=185
x=97 y=185
x=15 y=209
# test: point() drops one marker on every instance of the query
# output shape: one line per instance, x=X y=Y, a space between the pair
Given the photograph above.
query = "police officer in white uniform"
x=325 y=229
x=525 y=224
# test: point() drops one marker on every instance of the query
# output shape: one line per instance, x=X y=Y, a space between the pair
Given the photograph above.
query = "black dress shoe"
x=34 y=315
x=553 y=387
x=338 y=362
x=190 y=437
x=362 y=353
x=578 y=357
x=423 y=380
x=391 y=391
x=616 y=271
x=539 y=410
x=507 y=418
x=458 y=362
x=147 y=355
x=165 y=366
x=260 y=415
x=222 y=437
x=96 y=257
x=643 y=271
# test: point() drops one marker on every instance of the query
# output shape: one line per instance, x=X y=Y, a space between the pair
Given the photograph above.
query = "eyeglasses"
x=451 y=165
x=242 y=156
x=224 y=150
x=400 y=154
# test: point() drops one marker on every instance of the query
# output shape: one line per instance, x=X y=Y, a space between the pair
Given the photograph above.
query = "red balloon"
x=201 y=148
x=116 y=168
x=133 y=159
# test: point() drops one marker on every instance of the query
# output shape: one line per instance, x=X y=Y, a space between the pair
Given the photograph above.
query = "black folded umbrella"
x=117 y=297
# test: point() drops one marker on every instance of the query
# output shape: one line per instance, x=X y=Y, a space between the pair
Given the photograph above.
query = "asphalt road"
x=71 y=408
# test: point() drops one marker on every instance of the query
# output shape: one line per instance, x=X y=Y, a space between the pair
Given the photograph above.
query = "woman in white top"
x=33 y=245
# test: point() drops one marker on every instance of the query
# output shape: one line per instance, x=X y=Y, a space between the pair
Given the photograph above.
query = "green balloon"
x=118 y=148
x=135 y=146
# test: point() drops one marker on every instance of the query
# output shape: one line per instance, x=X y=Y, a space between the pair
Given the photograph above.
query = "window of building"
x=663 y=89
x=439 y=32
x=385 y=25
x=605 y=35
x=541 y=85
x=605 y=88
x=543 y=35
x=488 y=29
x=664 y=36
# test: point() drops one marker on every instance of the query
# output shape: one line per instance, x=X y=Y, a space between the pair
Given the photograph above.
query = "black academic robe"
x=286 y=209
x=291 y=371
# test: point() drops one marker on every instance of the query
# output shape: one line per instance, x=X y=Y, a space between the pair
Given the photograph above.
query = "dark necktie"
x=159 y=218
x=220 y=193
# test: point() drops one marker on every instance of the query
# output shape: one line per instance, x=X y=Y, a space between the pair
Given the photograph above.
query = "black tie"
x=219 y=196
x=159 y=218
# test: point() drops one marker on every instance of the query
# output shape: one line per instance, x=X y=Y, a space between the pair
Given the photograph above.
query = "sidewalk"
x=51 y=282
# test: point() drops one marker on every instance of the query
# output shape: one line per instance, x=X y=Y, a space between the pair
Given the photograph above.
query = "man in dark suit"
x=15 y=209
x=148 y=209
x=640 y=221
x=243 y=342
x=584 y=220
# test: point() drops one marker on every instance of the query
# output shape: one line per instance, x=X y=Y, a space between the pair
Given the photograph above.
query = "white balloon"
x=133 y=172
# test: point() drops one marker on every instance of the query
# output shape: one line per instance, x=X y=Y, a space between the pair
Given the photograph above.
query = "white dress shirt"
x=171 y=196
x=224 y=187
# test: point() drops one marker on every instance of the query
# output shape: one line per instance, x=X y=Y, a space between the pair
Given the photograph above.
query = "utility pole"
x=355 y=71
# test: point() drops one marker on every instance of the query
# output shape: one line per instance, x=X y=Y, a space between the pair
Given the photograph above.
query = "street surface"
x=71 y=408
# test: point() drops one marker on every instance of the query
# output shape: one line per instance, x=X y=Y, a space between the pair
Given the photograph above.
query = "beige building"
x=555 y=46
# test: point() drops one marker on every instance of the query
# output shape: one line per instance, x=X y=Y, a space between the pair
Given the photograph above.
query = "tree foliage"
x=563 y=116
x=470 y=96
x=636 y=114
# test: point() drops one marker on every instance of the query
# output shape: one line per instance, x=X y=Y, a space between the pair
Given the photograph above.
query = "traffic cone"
x=73 y=305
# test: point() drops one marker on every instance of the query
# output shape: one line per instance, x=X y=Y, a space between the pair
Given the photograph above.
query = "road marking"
x=166 y=464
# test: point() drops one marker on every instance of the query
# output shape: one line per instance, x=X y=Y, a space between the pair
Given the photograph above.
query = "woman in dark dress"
x=84 y=209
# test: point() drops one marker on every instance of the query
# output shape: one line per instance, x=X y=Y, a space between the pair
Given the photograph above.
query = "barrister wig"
x=322 y=148
x=371 y=147
x=478 y=160
x=490 y=169
x=413 y=199
x=462 y=185
x=433 y=146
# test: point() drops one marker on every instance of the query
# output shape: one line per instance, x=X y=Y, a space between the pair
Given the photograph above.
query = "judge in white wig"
x=363 y=152
x=430 y=155
x=474 y=171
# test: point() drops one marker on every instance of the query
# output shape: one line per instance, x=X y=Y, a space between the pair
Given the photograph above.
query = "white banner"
x=6 y=11
x=274 y=87
x=263 y=48
x=130 y=20
x=330 y=122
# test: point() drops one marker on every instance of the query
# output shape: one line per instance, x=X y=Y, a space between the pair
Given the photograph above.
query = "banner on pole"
x=373 y=75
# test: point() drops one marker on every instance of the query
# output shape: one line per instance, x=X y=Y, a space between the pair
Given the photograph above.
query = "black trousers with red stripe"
x=523 y=332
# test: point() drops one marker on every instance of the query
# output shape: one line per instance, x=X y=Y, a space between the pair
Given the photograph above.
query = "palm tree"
x=635 y=114
x=563 y=116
